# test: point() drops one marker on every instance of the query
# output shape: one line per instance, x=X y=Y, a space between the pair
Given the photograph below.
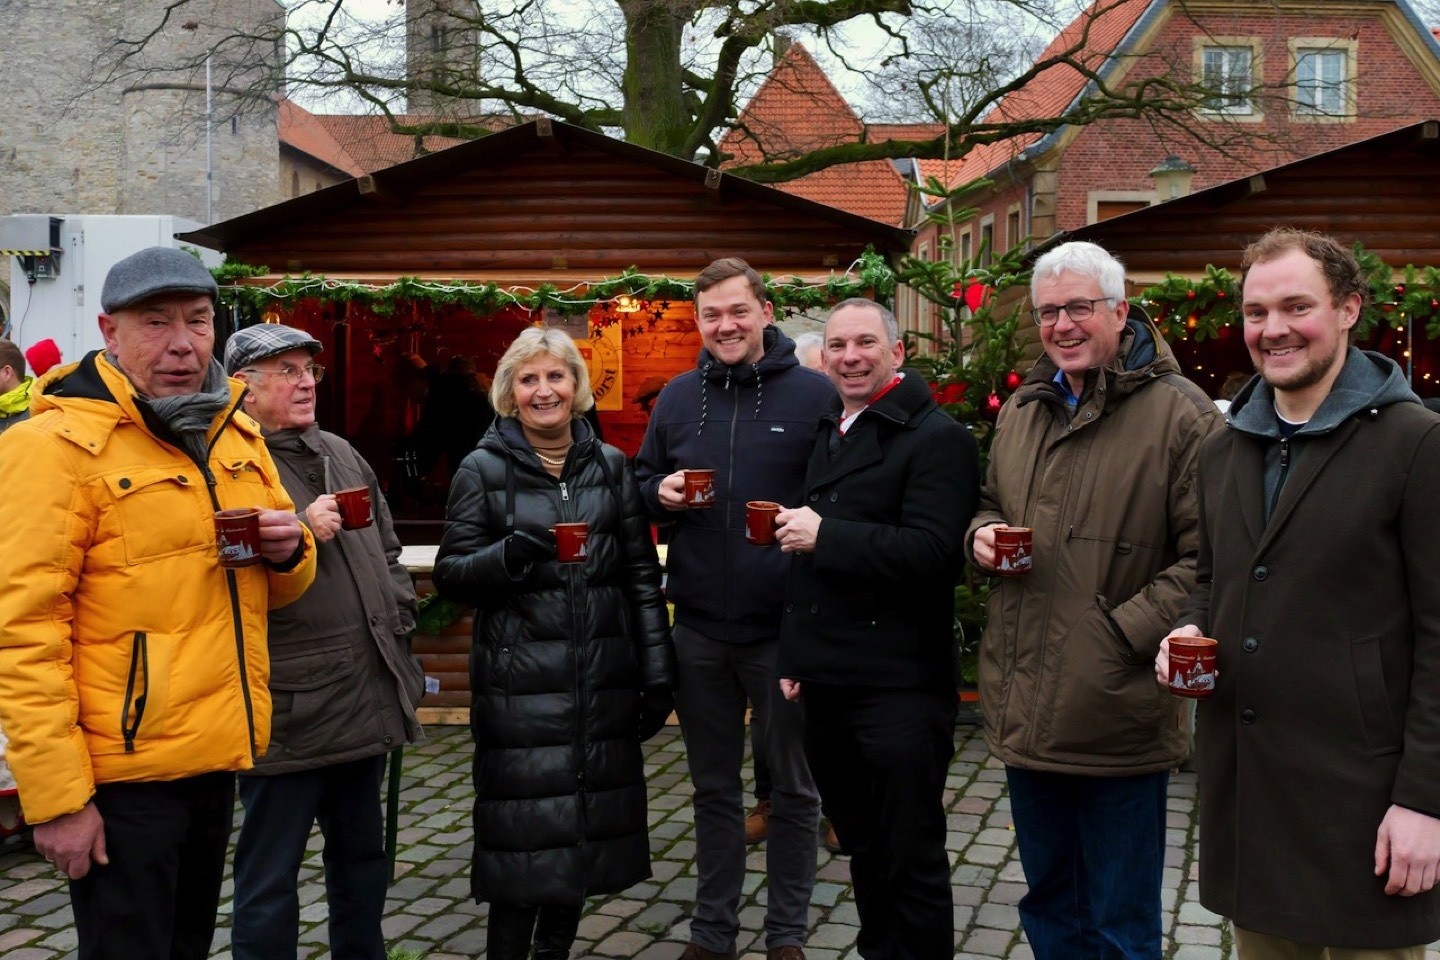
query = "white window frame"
x=1246 y=110
x=1322 y=79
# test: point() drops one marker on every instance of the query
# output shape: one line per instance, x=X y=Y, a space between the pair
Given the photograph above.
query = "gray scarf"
x=190 y=415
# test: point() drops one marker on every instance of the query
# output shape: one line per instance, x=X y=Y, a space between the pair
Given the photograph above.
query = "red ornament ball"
x=1013 y=381
x=993 y=403
x=1189 y=294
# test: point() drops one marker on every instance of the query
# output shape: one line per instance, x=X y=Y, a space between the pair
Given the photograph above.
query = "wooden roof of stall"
x=546 y=198
x=1380 y=192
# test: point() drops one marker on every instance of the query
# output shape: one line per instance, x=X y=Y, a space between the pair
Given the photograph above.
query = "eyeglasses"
x=294 y=375
x=1077 y=310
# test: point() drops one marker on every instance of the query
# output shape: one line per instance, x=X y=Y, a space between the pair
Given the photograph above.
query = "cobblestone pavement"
x=431 y=916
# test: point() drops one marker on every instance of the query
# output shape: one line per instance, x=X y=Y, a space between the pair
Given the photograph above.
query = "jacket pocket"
x=1382 y=735
x=163 y=512
x=320 y=663
x=137 y=685
x=134 y=673
x=1101 y=703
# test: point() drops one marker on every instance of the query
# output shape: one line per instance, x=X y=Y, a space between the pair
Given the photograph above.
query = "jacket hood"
x=507 y=436
x=17 y=399
x=1142 y=356
x=106 y=395
x=1368 y=380
x=779 y=354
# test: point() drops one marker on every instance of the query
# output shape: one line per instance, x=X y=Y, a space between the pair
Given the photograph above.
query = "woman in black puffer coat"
x=571 y=665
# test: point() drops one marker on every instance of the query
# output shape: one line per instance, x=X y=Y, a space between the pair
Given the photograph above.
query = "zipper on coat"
x=729 y=492
x=233 y=587
x=139 y=664
x=1280 y=481
x=577 y=620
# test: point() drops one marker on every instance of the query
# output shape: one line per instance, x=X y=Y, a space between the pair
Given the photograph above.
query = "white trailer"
x=57 y=266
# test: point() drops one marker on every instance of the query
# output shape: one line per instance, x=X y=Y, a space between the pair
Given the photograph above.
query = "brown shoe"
x=693 y=951
x=757 y=822
x=832 y=842
x=787 y=952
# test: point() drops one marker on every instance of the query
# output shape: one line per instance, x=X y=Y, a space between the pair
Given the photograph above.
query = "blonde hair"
x=526 y=347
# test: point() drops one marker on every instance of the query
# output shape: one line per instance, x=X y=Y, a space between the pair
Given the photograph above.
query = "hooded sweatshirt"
x=755 y=425
x=1367 y=380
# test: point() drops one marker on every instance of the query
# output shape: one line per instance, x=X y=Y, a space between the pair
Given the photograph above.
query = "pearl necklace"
x=553 y=461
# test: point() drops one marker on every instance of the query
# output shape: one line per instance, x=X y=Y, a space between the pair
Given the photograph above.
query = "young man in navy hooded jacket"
x=748 y=411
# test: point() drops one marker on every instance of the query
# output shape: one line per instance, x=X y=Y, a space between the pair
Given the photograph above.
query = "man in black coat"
x=745 y=411
x=868 y=630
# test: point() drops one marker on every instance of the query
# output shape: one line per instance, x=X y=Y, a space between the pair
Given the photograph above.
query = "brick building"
x=1293 y=79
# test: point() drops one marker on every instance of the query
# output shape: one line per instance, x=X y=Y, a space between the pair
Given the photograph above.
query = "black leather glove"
x=523 y=548
x=656 y=704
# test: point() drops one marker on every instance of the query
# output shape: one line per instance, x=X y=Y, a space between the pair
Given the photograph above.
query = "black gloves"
x=656 y=703
x=522 y=548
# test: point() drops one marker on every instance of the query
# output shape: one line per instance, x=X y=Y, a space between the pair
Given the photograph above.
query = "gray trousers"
x=715 y=681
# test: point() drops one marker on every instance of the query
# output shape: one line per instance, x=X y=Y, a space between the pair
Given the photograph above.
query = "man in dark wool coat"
x=868 y=633
x=1319 y=751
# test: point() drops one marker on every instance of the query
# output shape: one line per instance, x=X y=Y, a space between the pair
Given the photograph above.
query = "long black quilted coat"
x=556 y=667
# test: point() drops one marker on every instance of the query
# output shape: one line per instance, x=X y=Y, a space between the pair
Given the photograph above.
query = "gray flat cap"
x=265 y=340
x=153 y=271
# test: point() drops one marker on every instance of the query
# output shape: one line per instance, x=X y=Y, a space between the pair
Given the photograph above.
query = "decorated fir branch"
x=1199 y=309
x=869 y=276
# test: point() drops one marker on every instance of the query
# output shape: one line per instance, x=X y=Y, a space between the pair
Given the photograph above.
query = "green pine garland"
x=1198 y=309
x=874 y=278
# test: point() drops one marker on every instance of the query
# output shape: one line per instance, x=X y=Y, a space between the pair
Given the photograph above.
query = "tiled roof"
x=797 y=110
x=880 y=132
x=1050 y=93
x=369 y=140
x=300 y=130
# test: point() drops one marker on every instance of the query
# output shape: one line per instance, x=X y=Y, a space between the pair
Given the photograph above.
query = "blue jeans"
x=279 y=812
x=1093 y=849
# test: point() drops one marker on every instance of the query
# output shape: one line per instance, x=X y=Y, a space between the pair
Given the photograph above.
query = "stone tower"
x=442 y=43
x=137 y=144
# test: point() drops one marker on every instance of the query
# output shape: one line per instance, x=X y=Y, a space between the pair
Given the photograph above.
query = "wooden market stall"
x=430 y=268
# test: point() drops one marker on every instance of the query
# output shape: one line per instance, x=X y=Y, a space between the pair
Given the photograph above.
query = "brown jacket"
x=1067 y=661
x=1327 y=708
x=342 y=679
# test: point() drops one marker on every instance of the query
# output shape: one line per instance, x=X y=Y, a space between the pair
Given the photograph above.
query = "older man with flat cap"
x=342 y=679
x=133 y=666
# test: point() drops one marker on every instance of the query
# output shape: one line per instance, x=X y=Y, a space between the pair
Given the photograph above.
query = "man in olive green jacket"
x=1096 y=453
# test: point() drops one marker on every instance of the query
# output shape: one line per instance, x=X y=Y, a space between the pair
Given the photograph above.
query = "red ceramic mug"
x=572 y=542
x=760 y=522
x=237 y=536
x=1014 y=548
x=699 y=488
x=1192 y=666
x=355 y=508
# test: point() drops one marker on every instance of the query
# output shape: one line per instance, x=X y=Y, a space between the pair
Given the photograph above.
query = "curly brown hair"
x=1337 y=262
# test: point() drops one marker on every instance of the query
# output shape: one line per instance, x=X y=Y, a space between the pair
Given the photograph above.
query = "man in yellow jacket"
x=133 y=666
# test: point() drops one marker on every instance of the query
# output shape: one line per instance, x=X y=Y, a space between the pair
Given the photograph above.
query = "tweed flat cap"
x=153 y=271
x=265 y=340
